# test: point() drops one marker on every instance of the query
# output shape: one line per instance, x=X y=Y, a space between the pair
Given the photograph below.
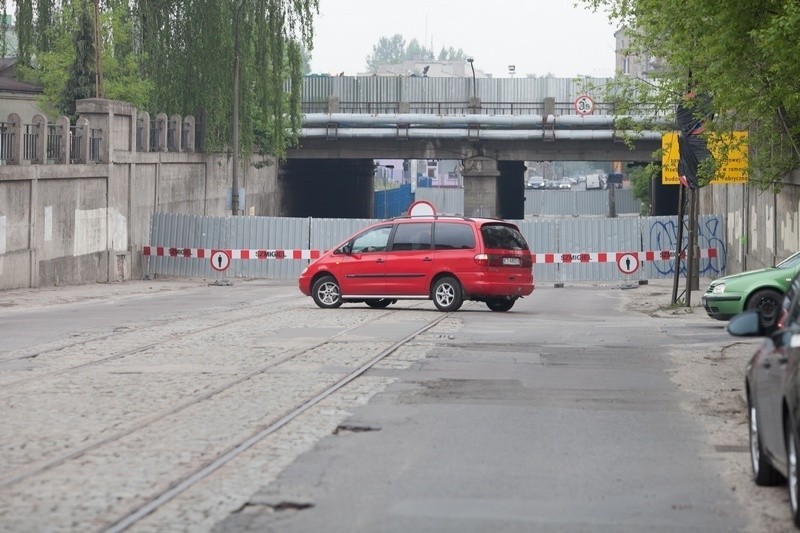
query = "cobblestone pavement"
x=94 y=421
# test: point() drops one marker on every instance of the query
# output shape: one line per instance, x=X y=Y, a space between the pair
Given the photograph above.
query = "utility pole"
x=98 y=63
x=235 y=117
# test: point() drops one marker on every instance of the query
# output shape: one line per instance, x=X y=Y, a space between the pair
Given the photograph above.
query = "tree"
x=81 y=80
x=69 y=64
x=177 y=56
x=451 y=54
x=388 y=51
x=741 y=53
x=417 y=52
x=393 y=50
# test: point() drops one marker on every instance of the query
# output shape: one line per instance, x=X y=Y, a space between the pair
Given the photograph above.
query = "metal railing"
x=75 y=143
x=153 y=136
x=95 y=137
x=484 y=108
x=6 y=140
x=29 y=137
x=53 y=143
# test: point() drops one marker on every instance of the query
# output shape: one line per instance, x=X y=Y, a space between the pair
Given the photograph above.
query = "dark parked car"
x=772 y=385
x=441 y=258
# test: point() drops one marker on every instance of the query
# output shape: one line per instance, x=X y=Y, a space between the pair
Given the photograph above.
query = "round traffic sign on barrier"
x=220 y=260
x=628 y=263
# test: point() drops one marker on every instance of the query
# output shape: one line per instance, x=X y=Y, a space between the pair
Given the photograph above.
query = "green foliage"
x=641 y=177
x=81 y=78
x=388 y=51
x=418 y=52
x=743 y=53
x=451 y=54
x=393 y=50
x=177 y=56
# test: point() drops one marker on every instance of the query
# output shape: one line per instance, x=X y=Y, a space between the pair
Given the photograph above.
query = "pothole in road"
x=353 y=428
x=283 y=506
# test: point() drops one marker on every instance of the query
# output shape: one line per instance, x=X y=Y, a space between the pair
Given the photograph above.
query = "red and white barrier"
x=614 y=257
x=206 y=253
x=538 y=258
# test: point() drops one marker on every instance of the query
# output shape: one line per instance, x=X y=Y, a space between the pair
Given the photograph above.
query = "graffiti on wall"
x=710 y=234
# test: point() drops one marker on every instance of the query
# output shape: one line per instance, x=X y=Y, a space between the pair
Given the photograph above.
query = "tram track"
x=183 y=318
x=130 y=332
x=198 y=475
x=18 y=477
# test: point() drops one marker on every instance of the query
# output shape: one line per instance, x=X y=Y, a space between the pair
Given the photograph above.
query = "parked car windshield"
x=502 y=237
x=789 y=262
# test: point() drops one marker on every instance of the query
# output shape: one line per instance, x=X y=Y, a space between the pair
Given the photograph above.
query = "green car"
x=761 y=289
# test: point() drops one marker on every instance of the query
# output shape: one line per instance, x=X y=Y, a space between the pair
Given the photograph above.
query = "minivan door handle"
x=379 y=260
x=426 y=259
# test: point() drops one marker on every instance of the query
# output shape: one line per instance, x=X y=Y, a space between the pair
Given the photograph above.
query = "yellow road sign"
x=731 y=149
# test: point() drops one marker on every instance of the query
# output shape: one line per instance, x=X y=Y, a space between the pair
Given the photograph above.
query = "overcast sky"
x=537 y=36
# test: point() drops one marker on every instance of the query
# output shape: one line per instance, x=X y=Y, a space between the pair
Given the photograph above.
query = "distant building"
x=17 y=96
x=632 y=62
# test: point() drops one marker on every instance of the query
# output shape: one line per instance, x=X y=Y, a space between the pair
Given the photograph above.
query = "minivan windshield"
x=502 y=237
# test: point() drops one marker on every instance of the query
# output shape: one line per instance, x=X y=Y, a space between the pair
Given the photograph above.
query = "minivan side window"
x=453 y=236
x=502 y=237
x=412 y=236
x=373 y=240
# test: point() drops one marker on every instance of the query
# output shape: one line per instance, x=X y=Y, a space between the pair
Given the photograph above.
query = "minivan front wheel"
x=326 y=293
x=447 y=294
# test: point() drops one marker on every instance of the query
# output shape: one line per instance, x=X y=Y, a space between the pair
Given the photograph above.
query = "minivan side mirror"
x=347 y=249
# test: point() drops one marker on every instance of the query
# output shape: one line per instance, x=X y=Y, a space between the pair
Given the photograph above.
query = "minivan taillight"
x=482 y=259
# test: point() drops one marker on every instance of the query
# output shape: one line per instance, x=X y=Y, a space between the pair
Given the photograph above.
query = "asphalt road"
x=557 y=416
x=563 y=414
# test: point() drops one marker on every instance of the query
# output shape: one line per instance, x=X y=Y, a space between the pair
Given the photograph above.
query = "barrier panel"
x=591 y=249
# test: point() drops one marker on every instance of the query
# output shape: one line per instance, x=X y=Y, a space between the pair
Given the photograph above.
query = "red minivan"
x=446 y=259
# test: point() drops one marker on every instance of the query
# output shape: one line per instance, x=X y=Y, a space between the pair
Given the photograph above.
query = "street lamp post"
x=471 y=60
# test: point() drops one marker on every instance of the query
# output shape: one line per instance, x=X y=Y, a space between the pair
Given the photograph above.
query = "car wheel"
x=768 y=303
x=378 y=303
x=763 y=472
x=447 y=294
x=792 y=448
x=326 y=293
x=501 y=305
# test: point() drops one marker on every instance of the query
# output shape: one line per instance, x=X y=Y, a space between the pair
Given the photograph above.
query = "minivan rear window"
x=502 y=237
x=453 y=236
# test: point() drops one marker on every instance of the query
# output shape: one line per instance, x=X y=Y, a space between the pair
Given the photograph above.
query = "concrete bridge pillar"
x=480 y=187
x=511 y=190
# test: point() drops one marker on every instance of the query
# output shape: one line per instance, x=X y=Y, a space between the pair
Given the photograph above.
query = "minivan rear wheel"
x=447 y=294
x=501 y=304
x=326 y=293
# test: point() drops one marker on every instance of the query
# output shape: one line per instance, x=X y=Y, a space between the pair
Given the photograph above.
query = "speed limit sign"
x=584 y=105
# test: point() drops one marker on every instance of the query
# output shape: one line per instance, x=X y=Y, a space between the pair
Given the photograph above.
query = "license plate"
x=515 y=261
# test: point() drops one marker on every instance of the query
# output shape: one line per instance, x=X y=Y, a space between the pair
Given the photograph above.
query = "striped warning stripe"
x=205 y=253
x=613 y=257
x=539 y=258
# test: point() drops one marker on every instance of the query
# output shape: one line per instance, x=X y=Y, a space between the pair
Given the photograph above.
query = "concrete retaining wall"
x=763 y=226
x=69 y=224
